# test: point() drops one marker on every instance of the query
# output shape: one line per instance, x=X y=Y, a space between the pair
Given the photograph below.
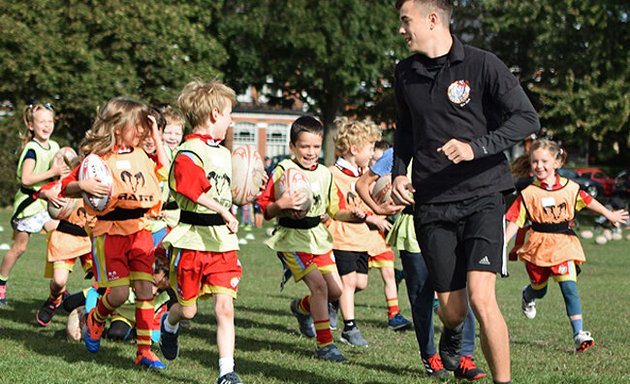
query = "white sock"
x=226 y=365
x=170 y=328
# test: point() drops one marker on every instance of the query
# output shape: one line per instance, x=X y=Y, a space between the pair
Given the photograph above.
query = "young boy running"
x=204 y=259
x=303 y=244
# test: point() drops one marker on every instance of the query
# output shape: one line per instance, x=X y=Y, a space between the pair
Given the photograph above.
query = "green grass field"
x=269 y=348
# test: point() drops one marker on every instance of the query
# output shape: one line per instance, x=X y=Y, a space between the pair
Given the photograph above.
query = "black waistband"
x=205 y=219
x=562 y=227
x=408 y=210
x=305 y=223
x=73 y=229
x=27 y=191
x=170 y=205
x=120 y=214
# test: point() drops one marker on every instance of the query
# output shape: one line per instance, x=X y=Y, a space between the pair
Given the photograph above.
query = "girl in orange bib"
x=123 y=244
x=552 y=248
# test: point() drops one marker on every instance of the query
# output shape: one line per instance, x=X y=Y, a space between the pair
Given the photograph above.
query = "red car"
x=598 y=175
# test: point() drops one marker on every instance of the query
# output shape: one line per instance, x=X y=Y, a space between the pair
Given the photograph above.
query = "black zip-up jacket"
x=473 y=97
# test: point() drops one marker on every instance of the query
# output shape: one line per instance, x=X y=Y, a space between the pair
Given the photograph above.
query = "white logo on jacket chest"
x=459 y=92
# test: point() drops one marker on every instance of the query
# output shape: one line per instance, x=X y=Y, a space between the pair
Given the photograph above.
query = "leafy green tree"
x=328 y=54
x=574 y=57
x=78 y=54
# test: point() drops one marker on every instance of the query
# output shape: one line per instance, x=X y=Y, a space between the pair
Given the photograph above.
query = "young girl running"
x=35 y=168
x=123 y=245
x=552 y=248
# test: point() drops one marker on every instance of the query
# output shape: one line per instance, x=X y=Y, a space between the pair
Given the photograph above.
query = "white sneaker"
x=583 y=341
x=528 y=307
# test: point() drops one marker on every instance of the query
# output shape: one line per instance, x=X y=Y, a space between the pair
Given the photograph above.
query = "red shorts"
x=199 y=273
x=382 y=260
x=302 y=263
x=121 y=259
x=561 y=272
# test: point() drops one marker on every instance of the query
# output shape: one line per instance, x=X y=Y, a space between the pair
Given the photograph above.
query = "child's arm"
x=71 y=186
x=28 y=178
x=615 y=217
x=379 y=222
x=162 y=157
x=225 y=213
x=510 y=231
x=292 y=200
x=363 y=189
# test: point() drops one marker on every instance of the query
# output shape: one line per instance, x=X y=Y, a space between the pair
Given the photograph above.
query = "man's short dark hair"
x=444 y=5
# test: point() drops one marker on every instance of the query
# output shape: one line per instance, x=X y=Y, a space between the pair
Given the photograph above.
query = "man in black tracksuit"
x=458 y=108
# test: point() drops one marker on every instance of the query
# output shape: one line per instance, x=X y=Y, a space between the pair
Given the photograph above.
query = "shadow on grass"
x=265 y=368
x=21 y=311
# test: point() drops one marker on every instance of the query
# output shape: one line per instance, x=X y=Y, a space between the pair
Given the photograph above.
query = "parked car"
x=591 y=186
x=598 y=175
x=622 y=183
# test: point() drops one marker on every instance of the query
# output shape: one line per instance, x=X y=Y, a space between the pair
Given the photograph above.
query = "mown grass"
x=270 y=349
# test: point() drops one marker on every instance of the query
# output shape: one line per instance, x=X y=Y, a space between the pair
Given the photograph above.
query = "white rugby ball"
x=65 y=210
x=75 y=325
x=617 y=236
x=382 y=190
x=586 y=234
x=66 y=156
x=94 y=166
x=295 y=180
x=601 y=240
x=248 y=172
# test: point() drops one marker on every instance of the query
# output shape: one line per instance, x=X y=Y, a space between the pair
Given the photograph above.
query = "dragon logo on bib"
x=459 y=92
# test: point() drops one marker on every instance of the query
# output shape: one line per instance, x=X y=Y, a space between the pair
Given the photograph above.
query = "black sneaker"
x=168 y=341
x=468 y=369
x=46 y=312
x=451 y=346
x=330 y=353
x=229 y=378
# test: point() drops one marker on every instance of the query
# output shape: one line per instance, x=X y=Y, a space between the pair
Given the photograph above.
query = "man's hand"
x=457 y=151
x=402 y=191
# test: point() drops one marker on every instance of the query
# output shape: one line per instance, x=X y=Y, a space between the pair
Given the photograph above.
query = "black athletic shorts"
x=349 y=261
x=461 y=236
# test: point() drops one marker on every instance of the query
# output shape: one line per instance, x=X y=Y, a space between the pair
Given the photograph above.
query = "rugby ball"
x=382 y=190
x=295 y=180
x=75 y=325
x=248 y=172
x=601 y=240
x=65 y=210
x=66 y=156
x=94 y=166
x=617 y=236
x=586 y=234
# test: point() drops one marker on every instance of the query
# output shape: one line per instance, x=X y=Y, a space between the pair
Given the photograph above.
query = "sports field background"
x=269 y=348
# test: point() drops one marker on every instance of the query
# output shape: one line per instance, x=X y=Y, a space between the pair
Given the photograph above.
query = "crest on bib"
x=459 y=92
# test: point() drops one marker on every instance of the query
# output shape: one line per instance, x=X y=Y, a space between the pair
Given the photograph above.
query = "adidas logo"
x=484 y=261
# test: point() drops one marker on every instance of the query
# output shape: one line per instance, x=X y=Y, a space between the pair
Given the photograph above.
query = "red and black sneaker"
x=45 y=314
x=468 y=369
x=433 y=366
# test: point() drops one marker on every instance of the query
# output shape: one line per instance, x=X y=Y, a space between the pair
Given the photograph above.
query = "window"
x=245 y=134
x=277 y=140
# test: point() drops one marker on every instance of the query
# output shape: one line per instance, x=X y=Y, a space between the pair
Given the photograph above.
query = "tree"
x=574 y=58
x=79 y=54
x=329 y=54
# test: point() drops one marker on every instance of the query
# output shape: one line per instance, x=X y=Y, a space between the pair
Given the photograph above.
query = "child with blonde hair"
x=204 y=245
x=355 y=244
x=35 y=168
x=123 y=245
x=552 y=249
